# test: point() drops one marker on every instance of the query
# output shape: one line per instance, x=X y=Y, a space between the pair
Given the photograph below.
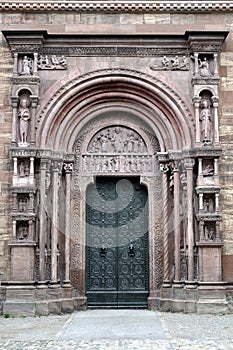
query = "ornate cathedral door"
x=117 y=243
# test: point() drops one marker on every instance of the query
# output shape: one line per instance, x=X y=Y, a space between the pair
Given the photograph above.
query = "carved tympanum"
x=117 y=139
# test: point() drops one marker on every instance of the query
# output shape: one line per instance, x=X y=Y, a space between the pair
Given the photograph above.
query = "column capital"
x=215 y=100
x=14 y=101
x=175 y=165
x=196 y=100
x=189 y=163
x=34 y=100
x=68 y=167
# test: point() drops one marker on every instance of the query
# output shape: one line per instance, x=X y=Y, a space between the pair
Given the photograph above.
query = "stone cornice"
x=118 y=6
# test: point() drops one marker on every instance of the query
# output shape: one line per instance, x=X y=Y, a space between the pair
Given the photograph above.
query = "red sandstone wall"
x=73 y=22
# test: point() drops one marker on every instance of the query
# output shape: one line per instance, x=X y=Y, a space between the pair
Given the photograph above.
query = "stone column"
x=177 y=220
x=215 y=100
x=34 y=102
x=196 y=66
x=215 y=64
x=14 y=103
x=43 y=222
x=166 y=267
x=201 y=207
x=196 y=102
x=15 y=68
x=189 y=163
x=35 y=63
x=68 y=167
x=54 y=229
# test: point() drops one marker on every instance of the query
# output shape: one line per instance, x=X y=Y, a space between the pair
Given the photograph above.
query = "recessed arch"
x=65 y=114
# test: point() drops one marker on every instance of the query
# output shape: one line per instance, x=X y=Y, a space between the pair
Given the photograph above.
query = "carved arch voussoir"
x=157 y=89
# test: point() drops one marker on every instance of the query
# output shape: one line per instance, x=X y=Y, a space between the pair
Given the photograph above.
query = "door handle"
x=131 y=250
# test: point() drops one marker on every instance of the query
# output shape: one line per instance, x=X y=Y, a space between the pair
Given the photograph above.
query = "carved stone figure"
x=51 y=62
x=22 y=232
x=208 y=169
x=209 y=205
x=206 y=124
x=23 y=169
x=27 y=65
x=117 y=139
x=22 y=204
x=209 y=233
x=175 y=62
x=204 y=68
x=24 y=117
x=165 y=62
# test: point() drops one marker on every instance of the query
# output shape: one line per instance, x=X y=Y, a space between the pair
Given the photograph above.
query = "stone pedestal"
x=22 y=261
x=212 y=298
x=20 y=301
x=210 y=265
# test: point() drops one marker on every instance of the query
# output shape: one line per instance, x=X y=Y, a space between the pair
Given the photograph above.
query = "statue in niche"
x=23 y=169
x=209 y=205
x=22 y=204
x=209 y=233
x=208 y=169
x=22 y=232
x=204 y=68
x=27 y=66
x=206 y=124
x=24 y=117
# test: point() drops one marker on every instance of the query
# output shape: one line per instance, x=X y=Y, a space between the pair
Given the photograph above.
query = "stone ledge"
x=121 y=6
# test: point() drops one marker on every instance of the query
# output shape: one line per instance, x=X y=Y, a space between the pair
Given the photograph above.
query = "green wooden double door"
x=117 y=272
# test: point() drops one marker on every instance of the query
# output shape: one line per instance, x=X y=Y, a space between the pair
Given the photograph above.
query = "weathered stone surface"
x=65 y=88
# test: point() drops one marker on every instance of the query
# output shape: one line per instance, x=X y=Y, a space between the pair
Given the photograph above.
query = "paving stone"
x=170 y=331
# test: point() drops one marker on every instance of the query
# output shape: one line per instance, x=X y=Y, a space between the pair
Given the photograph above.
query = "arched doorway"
x=117 y=243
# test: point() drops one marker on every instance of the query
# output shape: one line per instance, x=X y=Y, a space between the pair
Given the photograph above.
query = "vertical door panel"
x=117 y=244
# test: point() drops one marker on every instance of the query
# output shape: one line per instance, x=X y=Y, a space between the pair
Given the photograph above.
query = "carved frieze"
x=171 y=63
x=117 y=163
x=51 y=62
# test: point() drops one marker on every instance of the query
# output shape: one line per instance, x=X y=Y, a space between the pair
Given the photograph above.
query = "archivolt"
x=70 y=105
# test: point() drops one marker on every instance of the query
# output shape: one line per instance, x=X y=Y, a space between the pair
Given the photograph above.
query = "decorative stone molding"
x=122 y=6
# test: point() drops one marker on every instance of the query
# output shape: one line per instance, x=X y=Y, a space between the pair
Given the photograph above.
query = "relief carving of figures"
x=171 y=63
x=206 y=123
x=26 y=66
x=120 y=163
x=117 y=140
x=52 y=62
x=24 y=117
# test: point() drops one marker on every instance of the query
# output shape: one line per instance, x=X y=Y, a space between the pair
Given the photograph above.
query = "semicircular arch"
x=81 y=100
